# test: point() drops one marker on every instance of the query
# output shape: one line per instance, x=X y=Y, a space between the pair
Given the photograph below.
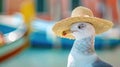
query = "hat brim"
x=100 y=25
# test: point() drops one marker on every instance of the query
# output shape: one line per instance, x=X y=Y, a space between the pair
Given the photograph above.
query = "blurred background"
x=26 y=38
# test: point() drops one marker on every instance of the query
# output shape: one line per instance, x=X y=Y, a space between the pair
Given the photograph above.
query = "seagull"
x=83 y=53
x=82 y=26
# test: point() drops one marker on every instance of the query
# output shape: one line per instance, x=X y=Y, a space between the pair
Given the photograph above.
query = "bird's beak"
x=1 y=40
x=64 y=33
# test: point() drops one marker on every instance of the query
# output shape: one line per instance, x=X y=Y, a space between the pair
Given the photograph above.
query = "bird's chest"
x=81 y=60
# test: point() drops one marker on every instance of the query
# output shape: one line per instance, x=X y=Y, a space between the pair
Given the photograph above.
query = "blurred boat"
x=12 y=29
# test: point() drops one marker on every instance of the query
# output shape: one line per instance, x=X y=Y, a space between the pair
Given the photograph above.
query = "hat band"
x=81 y=16
x=86 y=16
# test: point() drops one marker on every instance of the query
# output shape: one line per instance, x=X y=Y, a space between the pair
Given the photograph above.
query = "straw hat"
x=80 y=14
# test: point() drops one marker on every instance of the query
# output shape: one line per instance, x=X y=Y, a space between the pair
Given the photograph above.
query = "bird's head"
x=82 y=30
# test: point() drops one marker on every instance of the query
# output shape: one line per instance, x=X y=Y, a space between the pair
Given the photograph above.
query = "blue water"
x=6 y=29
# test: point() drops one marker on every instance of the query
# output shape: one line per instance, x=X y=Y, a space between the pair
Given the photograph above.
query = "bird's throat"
x=82 y=53
x=84 y=46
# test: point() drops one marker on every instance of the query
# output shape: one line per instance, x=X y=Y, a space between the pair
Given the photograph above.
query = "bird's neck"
x=82 y=53
x=84 y=46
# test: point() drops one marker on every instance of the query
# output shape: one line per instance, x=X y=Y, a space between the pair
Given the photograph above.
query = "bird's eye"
x=81 y=26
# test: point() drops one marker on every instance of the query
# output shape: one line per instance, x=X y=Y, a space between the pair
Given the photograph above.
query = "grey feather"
x=100 y=63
